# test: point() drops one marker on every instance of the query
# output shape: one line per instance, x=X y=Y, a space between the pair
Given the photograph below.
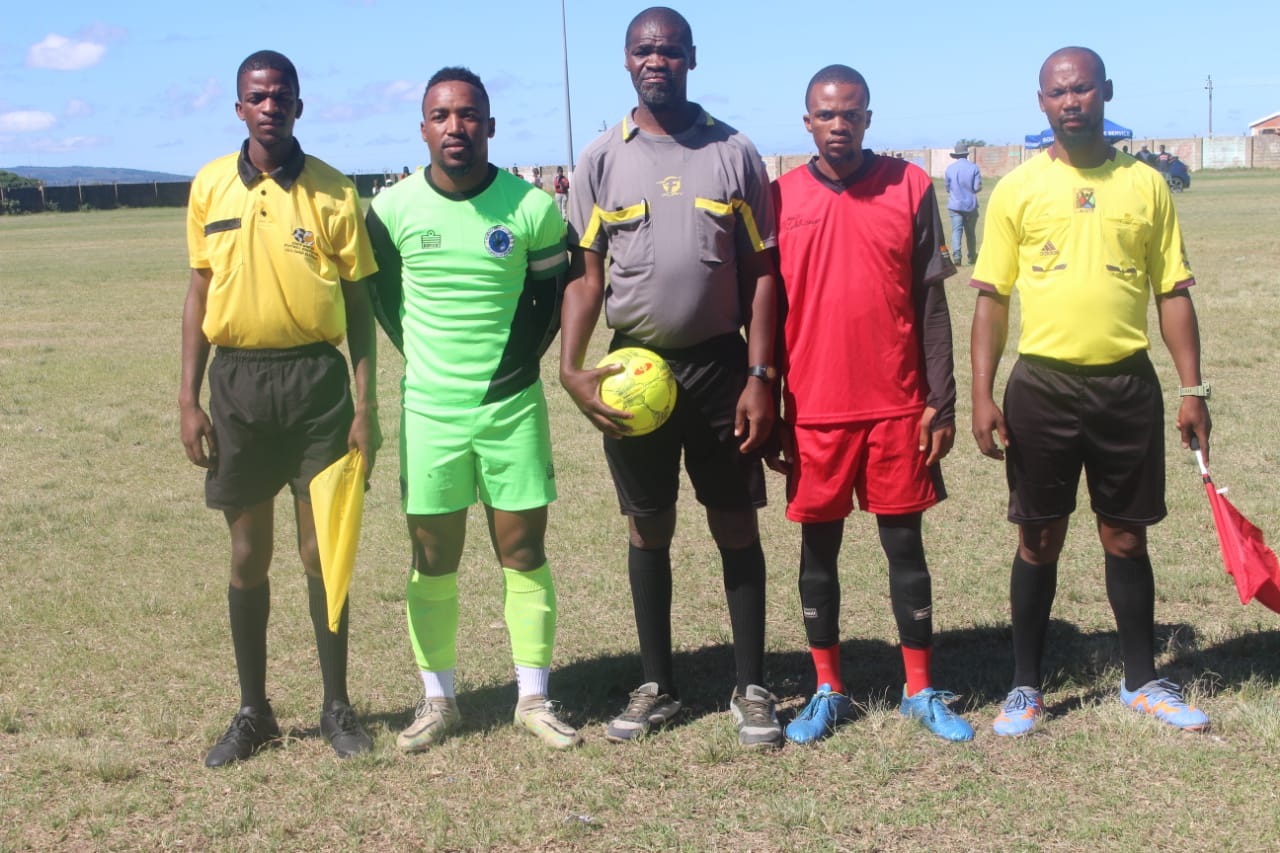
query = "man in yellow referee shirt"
x=1086 y=234
x=278 y=250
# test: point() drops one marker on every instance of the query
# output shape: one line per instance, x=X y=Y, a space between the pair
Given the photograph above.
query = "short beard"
x=1086 y=135
x=458 y=171
x=850 y=156
x=661 y=99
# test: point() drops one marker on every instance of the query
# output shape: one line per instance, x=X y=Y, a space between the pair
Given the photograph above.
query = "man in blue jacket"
x=964 y=182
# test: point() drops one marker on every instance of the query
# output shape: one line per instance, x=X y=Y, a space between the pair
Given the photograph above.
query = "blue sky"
x=150 y=85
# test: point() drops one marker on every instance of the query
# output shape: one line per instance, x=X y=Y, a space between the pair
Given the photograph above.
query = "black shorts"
x=279 y=416
x=1107 y=419
x=646 y=468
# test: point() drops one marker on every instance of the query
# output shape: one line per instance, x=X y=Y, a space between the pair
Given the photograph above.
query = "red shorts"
x=879 y=461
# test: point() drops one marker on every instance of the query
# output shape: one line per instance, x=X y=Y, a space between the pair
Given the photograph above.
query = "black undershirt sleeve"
x=930 y=267
x=387 y=291
x=935 y=341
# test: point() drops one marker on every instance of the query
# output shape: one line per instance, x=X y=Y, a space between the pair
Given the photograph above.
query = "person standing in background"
x=964 y=182
x=561 y=187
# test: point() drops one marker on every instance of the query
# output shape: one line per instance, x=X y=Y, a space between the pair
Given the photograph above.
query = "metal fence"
x=1199 y=153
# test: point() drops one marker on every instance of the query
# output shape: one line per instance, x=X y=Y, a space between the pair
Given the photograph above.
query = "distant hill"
x=60 y=176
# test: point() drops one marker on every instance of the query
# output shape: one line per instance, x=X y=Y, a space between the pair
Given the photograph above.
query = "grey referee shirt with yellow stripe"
x=674 y=214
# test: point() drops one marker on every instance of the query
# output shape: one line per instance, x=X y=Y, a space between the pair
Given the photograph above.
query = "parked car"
x=1177 y=176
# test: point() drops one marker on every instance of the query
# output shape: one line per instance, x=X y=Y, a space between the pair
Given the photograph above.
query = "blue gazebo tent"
x=1110 y=130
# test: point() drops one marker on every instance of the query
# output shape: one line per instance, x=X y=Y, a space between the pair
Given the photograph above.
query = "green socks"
x=530 y=609
x=432 y=606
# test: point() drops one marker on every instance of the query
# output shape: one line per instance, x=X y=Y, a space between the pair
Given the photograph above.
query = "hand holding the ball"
x=583 y=386
x=644 y=390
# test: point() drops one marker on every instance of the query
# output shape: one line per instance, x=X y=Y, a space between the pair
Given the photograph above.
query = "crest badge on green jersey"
x=498 y=241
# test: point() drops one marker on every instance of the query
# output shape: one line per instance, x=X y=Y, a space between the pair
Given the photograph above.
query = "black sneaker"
x=339 y=726
x=250 y=730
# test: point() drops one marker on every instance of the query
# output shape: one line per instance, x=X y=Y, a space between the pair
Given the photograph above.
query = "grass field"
x=116 y=671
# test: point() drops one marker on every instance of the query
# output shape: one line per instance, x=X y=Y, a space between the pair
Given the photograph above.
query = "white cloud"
x=26 y=121
x=77 y=108
x=338 y=112
x=61 y=145
x=60 y=53
x=404 y=90
x=50 y=144
x=373 y=99
x=211 y=91
x=179 y=101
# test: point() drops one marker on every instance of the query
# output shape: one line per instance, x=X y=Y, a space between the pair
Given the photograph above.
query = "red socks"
x=916 y=663
x=826 y=663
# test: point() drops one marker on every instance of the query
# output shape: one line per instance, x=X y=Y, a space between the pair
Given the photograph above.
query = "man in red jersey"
x=869 y=397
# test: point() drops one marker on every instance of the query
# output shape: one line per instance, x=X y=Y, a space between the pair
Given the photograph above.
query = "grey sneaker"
x=646 y=708
x=434 y=717
x=756 y=713
x=538 y=715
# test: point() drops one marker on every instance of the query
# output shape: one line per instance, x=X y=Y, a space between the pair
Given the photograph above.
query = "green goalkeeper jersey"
x=468 y=286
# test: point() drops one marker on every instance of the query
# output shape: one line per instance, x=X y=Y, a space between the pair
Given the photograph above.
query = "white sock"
x=438 y=683
x=532 y=680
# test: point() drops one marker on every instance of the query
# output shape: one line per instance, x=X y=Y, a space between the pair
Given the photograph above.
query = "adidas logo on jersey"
x=1048 y=249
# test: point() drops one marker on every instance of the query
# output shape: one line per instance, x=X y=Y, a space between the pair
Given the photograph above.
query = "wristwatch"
x=1201 y=390
x=767 y=372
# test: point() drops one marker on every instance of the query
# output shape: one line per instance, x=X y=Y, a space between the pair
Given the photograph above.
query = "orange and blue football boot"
x=1163 y=700
x=1023 y=708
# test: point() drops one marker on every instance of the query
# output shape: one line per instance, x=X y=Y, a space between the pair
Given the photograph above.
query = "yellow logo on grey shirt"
x=670 y=186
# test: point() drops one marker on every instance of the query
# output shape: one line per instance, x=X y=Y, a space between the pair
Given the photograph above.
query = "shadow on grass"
x=973 y=662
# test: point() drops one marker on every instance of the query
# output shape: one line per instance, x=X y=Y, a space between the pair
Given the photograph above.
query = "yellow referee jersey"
x=278 y=246
x=1085 y=249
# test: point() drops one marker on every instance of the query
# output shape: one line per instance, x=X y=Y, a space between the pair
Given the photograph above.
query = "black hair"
x=458 y=74
x=836 y=74
x=269 y=60
x=666 y=14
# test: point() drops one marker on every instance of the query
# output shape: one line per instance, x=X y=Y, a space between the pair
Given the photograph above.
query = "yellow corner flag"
x=337 y=503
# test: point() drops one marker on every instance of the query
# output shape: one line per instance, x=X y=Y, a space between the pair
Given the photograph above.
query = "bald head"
x=1074 y=91
x=1078 y=55
x=665 y=17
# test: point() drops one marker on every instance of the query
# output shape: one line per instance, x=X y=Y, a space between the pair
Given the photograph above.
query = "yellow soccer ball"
x=645 y=388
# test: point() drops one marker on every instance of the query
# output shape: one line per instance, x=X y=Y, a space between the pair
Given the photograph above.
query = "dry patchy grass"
x=116 y=673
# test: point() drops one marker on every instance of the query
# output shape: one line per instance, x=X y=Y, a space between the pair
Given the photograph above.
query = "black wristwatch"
x=767 y=372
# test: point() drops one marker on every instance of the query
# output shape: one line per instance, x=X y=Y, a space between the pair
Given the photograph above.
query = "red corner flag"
x=1244 y=551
